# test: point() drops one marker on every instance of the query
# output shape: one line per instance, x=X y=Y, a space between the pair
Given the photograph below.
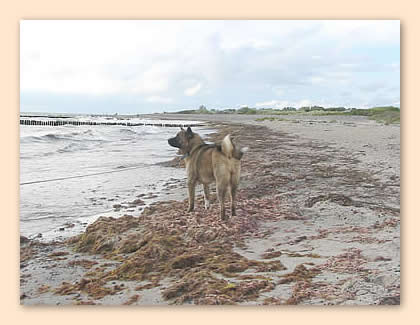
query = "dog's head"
x=185 y=140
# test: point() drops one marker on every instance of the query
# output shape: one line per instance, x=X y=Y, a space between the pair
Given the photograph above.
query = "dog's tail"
x=230 y=150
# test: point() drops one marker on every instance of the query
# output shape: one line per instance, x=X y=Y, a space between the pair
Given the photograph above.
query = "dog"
x=208 y=163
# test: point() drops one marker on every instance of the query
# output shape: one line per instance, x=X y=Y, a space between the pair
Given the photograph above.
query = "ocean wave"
x=74 y=146
x=85 y=135
x=137 y=132
x=43 y=215
x=128 y=131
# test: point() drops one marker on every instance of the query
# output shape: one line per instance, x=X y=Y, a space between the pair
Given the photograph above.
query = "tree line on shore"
x=319 y=110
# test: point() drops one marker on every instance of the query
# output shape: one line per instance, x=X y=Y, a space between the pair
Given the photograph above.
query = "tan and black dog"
x=208 y=163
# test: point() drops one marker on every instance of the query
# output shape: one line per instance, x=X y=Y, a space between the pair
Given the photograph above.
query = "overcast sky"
x=154 y=66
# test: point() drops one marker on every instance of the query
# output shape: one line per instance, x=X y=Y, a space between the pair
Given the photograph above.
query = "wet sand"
x=318 y=223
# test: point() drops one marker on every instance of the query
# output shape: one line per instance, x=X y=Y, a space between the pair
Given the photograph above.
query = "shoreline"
x=116 y=172
x=318 y=223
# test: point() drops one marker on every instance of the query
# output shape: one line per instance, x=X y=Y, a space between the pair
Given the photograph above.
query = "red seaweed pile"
x=194 y=249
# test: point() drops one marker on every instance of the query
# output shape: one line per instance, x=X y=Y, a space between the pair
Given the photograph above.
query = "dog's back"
x=206 y=158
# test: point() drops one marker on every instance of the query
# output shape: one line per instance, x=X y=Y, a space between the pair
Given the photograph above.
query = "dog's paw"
x=206 y=204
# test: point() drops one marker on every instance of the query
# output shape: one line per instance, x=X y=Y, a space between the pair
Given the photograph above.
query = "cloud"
x=216 y=63
x=316 y=80
x=193 y=90
x=158 y=99
x=272 y=104
x=284 y=103
x=279 y=104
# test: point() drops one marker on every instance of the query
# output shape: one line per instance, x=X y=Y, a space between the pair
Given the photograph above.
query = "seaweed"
x=101 y=235
x=87 y=264
x=133 y=299
x=93 y=287
x=300 y=273
x=204 y=288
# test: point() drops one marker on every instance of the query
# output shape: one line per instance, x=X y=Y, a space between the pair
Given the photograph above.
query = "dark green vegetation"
x=385 y=114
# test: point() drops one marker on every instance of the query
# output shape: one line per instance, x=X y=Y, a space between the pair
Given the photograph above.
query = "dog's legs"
x=233 y=190
x=234 y=183
x=206 y=196
x=221 y=194
x=191 y=194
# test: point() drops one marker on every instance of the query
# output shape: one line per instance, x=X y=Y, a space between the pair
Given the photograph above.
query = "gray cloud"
x=174 y=64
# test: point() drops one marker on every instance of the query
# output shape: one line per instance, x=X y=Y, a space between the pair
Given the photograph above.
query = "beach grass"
x=386 y=117
x=270 y=118
x=384 y=114
x=381 y=114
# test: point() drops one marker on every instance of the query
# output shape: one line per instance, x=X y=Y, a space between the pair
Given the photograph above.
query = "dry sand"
x=318 y=223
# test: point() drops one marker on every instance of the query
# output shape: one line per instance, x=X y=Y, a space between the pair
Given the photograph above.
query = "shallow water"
x=71 y=175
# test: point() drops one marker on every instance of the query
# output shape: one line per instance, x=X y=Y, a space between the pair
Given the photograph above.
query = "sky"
x=146 y=66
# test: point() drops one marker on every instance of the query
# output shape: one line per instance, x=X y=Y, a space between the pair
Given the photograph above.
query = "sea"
x=71 y=175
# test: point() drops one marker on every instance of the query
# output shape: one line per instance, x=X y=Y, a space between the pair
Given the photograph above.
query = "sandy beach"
x=318 y=224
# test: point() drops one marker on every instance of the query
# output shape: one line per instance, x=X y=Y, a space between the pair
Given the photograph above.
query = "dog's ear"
x=189 y=132
x=182 y=129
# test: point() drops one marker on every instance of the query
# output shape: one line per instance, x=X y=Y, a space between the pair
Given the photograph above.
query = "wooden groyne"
x=145 y=123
